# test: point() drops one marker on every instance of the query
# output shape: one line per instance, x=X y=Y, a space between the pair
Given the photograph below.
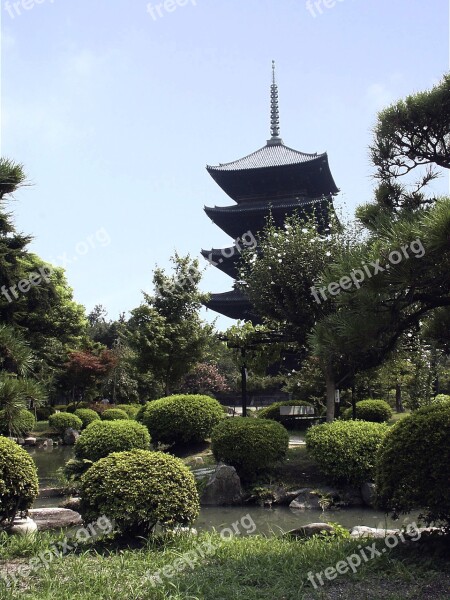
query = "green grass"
x=247 y=568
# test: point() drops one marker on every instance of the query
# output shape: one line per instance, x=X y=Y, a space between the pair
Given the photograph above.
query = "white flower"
x=327 y=253
x=304 y=231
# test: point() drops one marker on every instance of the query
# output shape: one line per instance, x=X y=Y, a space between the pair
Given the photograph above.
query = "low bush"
x=273 y=412
x=182 y=419
x=130 y=409
x=412 y=465
x=18 y=481
x=114 y=414
x=140 y=413
x=249 y=445
x=63 y=420
x=73 y=406
x=21 y=424
x=346 y=450
x=375 y=411
x=87 y=416
x=441 y=398
x=43 y=413
x=138 y=490
x=100 y=438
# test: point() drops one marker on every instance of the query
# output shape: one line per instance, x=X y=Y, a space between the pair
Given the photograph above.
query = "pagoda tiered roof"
x=224 y=259
x=233 y=304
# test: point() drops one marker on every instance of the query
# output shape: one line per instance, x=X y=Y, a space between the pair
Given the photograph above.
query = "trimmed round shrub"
x=73 y=406
x=412 y=465
x=375 y=411
x=441 y=398
x=130 y=409
x=138 y=490
x=249 y=445
x=346 y=450
x=18 y=480
x=23 y=423
x=114 y=414
x=100 y=438
x=273 y=412
x=182 y=419
x=63 y=420
x=43 y=413
x=140 y=413
x=87 y=416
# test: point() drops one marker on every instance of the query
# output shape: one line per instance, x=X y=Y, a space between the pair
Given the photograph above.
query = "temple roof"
x=225 y=259
x=238 y=219
x=233 y=304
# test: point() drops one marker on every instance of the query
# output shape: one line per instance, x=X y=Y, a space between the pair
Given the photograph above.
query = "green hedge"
x=87 y=416
x=138 y=490
x=182 y=419
x=114 y=414
x=43 y=413
x=273 y=412
x=131 y=409
x=375 y=411
x=22 y=424
x=73 y=406
x=249 y=445
x=100 y=438
x=63 y=420
x=413 y=463
x=346 y=450
x=18 y=480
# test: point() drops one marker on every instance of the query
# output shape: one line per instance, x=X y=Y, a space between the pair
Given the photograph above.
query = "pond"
x=261 y=520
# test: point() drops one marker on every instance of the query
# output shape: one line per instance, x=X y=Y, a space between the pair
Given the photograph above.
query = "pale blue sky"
x=115 y=114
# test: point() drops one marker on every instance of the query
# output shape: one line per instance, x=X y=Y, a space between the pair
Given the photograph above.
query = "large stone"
x=223 y=488
x=30 y=441
x=54 y=518
x=72 y=503
x=306 y=499
x=51 y=492
x=368 y=493
x=309 y=530
x=23 y=526
x=361 y=531
x=70 y=436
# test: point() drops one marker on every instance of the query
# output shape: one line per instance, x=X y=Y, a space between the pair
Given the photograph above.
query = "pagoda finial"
x=274 y=110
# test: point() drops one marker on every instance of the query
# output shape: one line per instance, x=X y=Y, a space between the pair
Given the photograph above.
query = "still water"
x=260 y=520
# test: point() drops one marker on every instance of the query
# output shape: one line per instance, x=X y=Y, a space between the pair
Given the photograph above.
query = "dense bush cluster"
x=73 y=406
x=273 y=412
x=376 y=411
x=249 y=445
x=43 y=412
x=18 y=480
x=131 y=409
x=138 y=490
x=22 y=424
x=114 y=414
x=101 y=438
x=413 y=462
x=63 y=420
x=87 y=416
x=182 y=419
x=346 y=450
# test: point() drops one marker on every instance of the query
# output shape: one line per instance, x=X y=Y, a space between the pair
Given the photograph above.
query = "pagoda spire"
x=274 y=111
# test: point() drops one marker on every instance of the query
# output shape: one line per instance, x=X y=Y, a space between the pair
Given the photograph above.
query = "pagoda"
x=275 y=181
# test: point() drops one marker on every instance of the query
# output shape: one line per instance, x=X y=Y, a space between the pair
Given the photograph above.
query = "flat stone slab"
x=54 y=518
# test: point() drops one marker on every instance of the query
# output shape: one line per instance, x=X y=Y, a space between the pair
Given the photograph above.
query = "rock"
x=349 y=497
x=70 y=436
x=54 y=518
x=23 y=526
x=48 y=443
x=309 y=530
x=72 y=503
x=198 y=460
x=307 y=499
x=30 y=441
x=21 y=441
x=368 y=493
x=361 y=531
x=223 y=488
x=51 y=492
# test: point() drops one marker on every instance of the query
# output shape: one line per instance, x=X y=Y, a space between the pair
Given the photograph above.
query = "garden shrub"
x=140 y=413
x=138 y=490
x=441 y=398
x=346 y=450
x=249 y=445
x=63 y=420
x=130 y=409
x=73 y=406
x=375 y=411
x=23 y=423
x=114 y=414
x=100 y=438
x=273 y=412
x=87 y=416
x=18 y=480
x=413 y=462
x=43 y=413
x=182 y=419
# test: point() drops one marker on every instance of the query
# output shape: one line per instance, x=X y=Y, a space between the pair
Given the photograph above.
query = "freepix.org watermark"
x=201 y=551
x=357 y=276
x=157 y=11
x=355 y=560
x=15 y=9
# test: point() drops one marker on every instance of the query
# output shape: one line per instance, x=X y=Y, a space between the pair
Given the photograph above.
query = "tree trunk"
x=398 y=399
x=331 y=391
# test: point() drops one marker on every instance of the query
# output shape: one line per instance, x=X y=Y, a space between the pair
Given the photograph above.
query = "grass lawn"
x=244 y=568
